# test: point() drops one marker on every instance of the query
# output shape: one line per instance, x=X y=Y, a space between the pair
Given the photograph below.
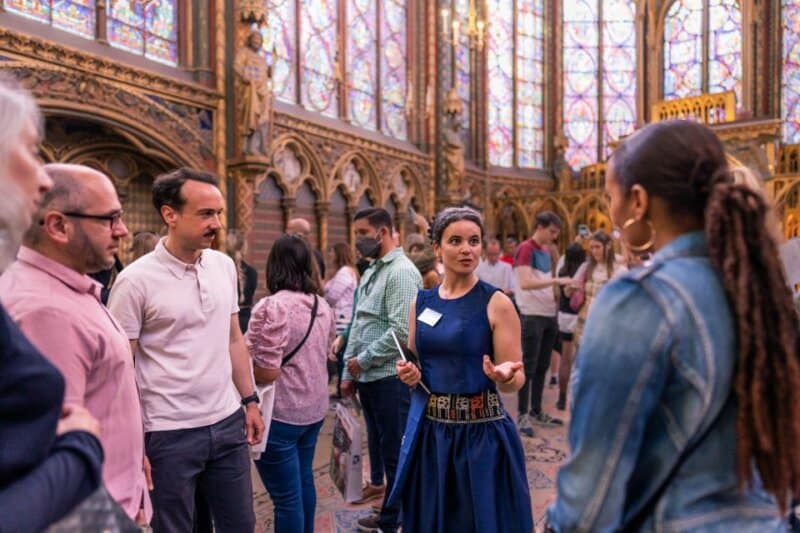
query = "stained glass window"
x=361 y=62
x=463 y=67
x=147 y=27
x=530 y=83
x=319 y=58
x=515 y=116
x=689 y=27
x=500 y=104
x=724 y=47
x=683 y=49
x=393 y=68
x=76 y=16
x=618 y=87
x=599 y=77
x=790 y=89
x=581 y=87
x=280 y=35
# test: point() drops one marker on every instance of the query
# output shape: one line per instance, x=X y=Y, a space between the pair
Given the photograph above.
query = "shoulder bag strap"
x=291 y=354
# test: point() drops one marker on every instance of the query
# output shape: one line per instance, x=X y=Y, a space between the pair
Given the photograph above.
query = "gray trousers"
x=216 y=458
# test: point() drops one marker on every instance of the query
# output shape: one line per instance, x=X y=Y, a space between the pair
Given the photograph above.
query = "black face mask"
x=368 y=246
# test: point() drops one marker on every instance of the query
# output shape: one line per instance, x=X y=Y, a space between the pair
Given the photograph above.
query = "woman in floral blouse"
x=284 y=324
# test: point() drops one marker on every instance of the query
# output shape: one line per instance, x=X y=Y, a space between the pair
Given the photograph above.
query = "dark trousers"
x=215 y=458
x=539 y=335
x=374 y=448
x=385 y=402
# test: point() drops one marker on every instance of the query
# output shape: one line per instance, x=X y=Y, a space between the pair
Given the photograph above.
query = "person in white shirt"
x=179 y=308
x=496 y=272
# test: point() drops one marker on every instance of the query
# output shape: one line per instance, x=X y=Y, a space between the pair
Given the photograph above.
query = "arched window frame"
x=284 y=49
x=705 y=59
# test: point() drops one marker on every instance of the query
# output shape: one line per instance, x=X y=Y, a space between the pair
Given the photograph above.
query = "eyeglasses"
x=114 y=219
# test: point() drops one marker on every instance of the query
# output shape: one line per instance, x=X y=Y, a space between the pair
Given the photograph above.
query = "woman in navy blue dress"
x=462 y=467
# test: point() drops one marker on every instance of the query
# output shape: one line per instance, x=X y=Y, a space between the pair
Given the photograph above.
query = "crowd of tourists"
x=673 y=341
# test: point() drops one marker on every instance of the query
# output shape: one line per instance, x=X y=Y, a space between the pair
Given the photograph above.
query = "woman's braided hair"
x=684 y=164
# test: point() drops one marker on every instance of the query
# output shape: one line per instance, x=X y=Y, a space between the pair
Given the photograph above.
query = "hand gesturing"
x=500 y=373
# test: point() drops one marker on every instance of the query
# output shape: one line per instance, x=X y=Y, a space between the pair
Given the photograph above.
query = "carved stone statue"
x=508 y=222
x=253 y=91
x=454 y=171
x=563 y=174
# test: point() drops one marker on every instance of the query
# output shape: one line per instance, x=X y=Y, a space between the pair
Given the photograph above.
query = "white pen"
x=403 y=357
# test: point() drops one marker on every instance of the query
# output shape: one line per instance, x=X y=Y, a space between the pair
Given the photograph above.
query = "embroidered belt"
x=463 y=408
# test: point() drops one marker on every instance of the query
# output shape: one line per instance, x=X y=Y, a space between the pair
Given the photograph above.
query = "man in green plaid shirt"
x=383 y=300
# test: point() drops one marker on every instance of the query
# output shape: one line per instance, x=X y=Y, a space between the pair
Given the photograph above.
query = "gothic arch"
x=783 y=195
x=414 y=183
x=367 y=173
x=509 y=211
x=144 y=120
x=550 y=203
x=581 y=212
x=310 y=167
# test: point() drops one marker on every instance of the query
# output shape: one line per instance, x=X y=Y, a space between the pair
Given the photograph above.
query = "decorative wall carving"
x=104 y=68
x=60 y=90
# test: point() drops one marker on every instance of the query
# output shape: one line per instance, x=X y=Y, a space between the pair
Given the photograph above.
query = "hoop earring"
x=642 y=247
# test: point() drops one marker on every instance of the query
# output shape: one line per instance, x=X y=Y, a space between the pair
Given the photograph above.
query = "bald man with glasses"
x=49 y=294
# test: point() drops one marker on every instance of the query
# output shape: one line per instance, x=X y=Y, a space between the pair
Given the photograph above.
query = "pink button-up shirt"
x=60 y=312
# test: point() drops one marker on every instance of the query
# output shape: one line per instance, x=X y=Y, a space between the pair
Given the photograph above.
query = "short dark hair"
x=289 y=266
x=167 y=187
x=376 y=216
x=545 y=219
x=416 y=247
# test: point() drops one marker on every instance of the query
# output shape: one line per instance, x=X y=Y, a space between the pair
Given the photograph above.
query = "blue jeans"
x=285 y=468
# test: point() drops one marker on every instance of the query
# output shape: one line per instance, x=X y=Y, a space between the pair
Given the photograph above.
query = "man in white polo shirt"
x=179 y=308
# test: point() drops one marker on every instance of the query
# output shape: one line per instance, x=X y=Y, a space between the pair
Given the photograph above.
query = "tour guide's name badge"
x=429 y=317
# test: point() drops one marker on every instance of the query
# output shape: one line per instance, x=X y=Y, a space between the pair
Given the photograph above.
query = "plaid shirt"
x=383 y=300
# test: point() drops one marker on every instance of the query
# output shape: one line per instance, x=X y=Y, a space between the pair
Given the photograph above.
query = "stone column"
x=246 y=171
x=101 y=18
x=287 y=204
x=321 y=209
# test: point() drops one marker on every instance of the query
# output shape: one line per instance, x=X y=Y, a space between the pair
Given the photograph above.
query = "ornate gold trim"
x=28 y=47
x=65 y=91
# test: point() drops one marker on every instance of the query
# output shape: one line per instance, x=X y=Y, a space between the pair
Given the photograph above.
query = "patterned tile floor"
x=544 y=452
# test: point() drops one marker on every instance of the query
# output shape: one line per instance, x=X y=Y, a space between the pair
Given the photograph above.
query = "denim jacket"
x=653 y=375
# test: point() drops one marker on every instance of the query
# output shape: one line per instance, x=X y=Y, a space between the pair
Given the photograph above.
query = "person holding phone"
x=462 y=466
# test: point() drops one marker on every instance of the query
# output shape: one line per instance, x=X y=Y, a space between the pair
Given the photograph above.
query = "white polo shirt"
x=500 y=274
x=181 y=315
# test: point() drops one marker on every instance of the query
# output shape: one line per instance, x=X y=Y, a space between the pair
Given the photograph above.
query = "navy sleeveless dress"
x=457 y=476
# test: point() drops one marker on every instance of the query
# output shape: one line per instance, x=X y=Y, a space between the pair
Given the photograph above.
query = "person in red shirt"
x=509 y=251
x=537 y=304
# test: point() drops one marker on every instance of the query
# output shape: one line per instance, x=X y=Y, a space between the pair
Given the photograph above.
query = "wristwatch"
x=250 y=399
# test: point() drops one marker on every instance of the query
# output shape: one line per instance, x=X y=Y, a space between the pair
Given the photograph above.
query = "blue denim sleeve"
x=621 y=368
